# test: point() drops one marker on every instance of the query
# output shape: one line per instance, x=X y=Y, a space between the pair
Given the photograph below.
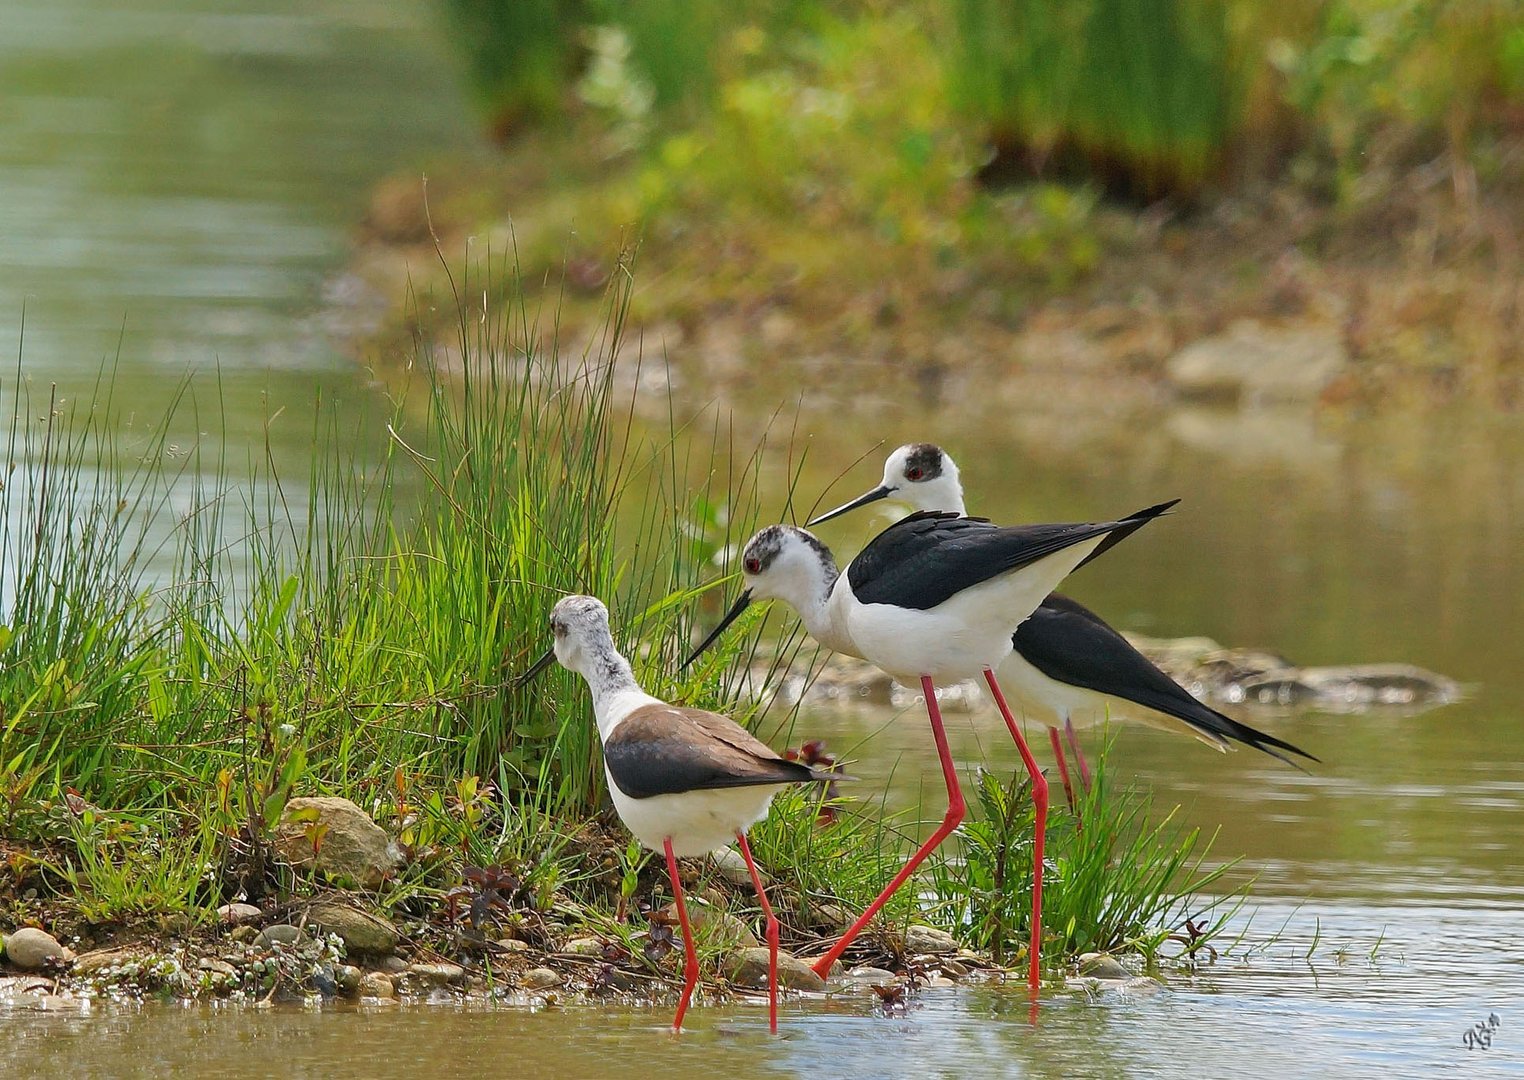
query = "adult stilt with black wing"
x=684 y=781
x=934 y=598
x=1067 y=666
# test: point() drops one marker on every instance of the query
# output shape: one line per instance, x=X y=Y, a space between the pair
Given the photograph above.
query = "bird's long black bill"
x=880 y=492
x=535 y=668
x=741 y=604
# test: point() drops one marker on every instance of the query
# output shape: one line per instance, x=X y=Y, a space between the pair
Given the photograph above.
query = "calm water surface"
x=178 y=179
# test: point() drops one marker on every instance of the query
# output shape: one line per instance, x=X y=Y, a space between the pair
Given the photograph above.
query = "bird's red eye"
x=754 y=565
x=915 y=473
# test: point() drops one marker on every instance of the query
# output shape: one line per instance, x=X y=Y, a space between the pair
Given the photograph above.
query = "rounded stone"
x=360 y=931
x=1102 y=966
x=923 y=940
x=279 y=934
x=374 y=984
x=437 y=974
x=749 y=967
x=31 y=949
x=540 y=978
x=235 y=914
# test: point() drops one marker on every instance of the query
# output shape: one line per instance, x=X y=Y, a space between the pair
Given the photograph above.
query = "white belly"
x=1033 y=695
x=698 y=822
x=962 y=636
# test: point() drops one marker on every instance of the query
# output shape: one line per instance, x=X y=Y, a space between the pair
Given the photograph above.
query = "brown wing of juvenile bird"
x=667 y=749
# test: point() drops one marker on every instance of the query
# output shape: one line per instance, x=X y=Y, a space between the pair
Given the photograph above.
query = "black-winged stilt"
x=684 y=781
x=934 y=598
x=1067 y=667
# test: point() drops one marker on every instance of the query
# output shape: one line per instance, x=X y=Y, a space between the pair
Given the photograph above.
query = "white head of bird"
x=583 y=643
x=920 y=475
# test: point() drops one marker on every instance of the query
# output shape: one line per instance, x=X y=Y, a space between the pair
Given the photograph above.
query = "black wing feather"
x=1069 y=643
x=929 y=557
x=645 y=769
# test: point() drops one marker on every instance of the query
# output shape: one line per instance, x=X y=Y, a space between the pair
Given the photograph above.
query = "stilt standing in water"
x=934 y=598
x=1067 y=666
x=684 y=781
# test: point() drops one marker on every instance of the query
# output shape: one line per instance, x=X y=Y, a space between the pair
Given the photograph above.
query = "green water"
x=178 y=185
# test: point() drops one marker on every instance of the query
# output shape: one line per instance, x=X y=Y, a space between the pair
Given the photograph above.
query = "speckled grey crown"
x=768 y=543
x=579 y=611
x=924 y=456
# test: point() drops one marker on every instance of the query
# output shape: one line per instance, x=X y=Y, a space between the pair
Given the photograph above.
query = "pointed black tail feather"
x=1133 y=522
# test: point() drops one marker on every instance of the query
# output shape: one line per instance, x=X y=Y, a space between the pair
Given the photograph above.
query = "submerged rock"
x=1102 y=966
x=336 y=837
x=30 y=949
x=749 y=967
x=920 y=940
x=1351 y=688
x=1259 y=363
x=360 y=931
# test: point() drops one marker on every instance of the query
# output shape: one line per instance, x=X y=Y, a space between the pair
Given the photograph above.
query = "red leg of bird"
x=1040 y=800
x=1079 y=755
x=950 y=820
x=1063 y=768
x=691 y=969
x=771 y=933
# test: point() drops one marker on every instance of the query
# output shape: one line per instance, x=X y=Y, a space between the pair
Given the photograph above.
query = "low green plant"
x=1117 y=877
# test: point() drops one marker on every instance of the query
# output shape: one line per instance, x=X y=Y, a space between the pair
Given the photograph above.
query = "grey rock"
x=362 y=933
x=99 y=960
x=920 y=940
x=870 y=976
x=30 y=949
x=279 y=934
x=953 y=969
x=512 y=945
x=1102 y=966
x=441 y=974
x=215 y=966
x=732 y=867
x=540 y=978
x=347 y=978
x=234 y=914
x=714 y=926
x=374 y=984
x=835 y=917
x=1259 y=363
x=352 y=846
x=1351 y=688
x=244 y=934
x=392 y=965
x=583 y=946
x=749 y=967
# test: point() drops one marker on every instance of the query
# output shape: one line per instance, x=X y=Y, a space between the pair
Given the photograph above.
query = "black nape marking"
x=924 y=462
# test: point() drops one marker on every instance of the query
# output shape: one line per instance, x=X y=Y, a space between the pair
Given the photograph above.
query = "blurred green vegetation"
x=1145 y=97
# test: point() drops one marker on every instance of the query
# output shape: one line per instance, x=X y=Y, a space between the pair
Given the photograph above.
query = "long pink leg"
x=950 y=820
x=1079 y=755
x=772 y=935
x=691 y=970
x=1040 y=801
x=1063 y=766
